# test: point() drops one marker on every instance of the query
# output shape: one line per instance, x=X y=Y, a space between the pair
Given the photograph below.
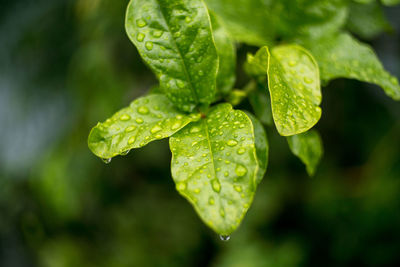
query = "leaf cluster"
x=219 y=153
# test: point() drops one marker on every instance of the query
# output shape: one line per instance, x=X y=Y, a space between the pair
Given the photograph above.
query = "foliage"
x=220 y=153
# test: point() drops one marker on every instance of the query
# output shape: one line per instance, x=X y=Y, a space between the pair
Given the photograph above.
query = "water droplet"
x=124 y=153
x=125 y=117
x=188 y=19
x=181 y=186
x=195 y=129
x=176 y=125
x=130 y=129
x=195 y=143
x=141 y=23
x=237 y=188
x=211 y=201
x=241 y=151
x=131 y=140
x=143 y=110
x=216 y=186
x=226 y=174
x=155 y=129
x=149 y=45
x=222 y=212
x=197 y=190
x=308 y=80
x=232 y=142
x=177 y=34
x=240 y=170
x=157 y=33
x=106 y=161
x=292 y=63
x=140 y=37
x=139 y=120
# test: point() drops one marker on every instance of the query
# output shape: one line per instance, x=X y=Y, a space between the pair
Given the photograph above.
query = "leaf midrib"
x=180 y=54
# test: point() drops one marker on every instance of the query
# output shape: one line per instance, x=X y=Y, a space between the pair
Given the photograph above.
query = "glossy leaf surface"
x=214 y=166
x=146 y=119
x=342 y=56
x=293 y=82
x=308 y=147
x=174 y=38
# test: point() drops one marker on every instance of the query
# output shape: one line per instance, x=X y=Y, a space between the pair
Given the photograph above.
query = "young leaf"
x=293 y=81
x=342 y=56
x=227 y=57
x=147 y=119
x=214 y=166
x=308 y=147
x=261 y=104
x=262 y=147
x=174 y=38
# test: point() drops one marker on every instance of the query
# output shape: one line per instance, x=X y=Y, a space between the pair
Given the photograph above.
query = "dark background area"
x=66 y=64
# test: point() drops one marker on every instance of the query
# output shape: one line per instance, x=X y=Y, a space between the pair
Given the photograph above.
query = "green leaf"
x=147 y=119
x=367 y=20
x=308 y=147
x=247 y=21
x=261 y=104
x=174 y=38
x=214 y=166
x=342 y=56
x=227 y=57
x=293 y=82
x=391 y=2
x=262 y=147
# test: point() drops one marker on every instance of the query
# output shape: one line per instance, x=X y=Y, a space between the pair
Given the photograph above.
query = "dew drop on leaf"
x=124 y=153
x=216 y=186
x=232 y=142
x=181 y=186
x=241 y=151
x=149 y=45
x=125 y=117
x=140 y=37
x=240 y=170
x=131 y=140
x=155 y=129
x=139 y=120
x=141 y=23
x=143 y=110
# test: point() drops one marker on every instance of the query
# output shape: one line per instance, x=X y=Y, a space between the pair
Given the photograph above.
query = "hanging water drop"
x=106 y=161
x=225 y=238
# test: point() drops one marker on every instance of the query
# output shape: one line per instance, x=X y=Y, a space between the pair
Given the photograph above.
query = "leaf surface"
x=227 y=57
x=174 y=38
x=308 y=147
x=146 y=119
x=342 y=56
x=214 y=166
x=293 y=82
x=262 y=147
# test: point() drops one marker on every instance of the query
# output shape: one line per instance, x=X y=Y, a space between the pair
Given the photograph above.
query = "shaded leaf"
x=308 y=147
x=261 y=104
x=174 y=38
x=214 y=166
x=262 y=147
x=342 y=56
x=227 y=57
x=146 y=119
x=391 y=2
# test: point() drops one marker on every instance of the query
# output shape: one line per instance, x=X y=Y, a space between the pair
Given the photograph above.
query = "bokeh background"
x=66 y=64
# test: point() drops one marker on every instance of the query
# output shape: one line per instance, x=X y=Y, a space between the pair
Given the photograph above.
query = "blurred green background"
x=66 y=64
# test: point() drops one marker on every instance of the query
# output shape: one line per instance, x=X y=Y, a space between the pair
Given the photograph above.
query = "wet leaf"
x=174 y=38
x=261 y=104
x=146 y=119
x=342 y=56
x=308 y=147
x=293 y=82
x=214 y=166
